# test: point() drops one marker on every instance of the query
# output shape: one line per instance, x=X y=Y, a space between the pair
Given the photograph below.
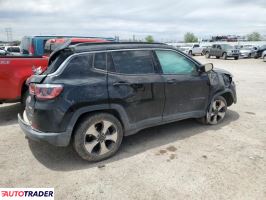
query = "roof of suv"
x=85 y=47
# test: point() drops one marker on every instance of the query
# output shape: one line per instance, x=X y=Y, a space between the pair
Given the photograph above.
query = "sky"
x=165 y=20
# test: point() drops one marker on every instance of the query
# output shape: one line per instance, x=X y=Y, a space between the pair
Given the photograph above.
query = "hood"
x=222 y=71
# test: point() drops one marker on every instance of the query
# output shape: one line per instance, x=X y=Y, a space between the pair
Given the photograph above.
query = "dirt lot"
x=183 y=160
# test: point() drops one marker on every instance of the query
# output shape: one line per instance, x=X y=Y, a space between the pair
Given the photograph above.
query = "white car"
x=12 y=50
x=192 y=49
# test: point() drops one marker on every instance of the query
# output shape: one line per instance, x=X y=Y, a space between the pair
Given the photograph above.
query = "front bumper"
x=57 y=139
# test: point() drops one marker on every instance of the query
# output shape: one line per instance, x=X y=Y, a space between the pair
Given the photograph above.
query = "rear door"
x=134 y=84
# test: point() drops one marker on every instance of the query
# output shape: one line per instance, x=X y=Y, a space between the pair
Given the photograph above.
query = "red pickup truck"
x=14 y=70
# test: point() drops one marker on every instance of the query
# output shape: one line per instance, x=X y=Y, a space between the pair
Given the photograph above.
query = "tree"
x=255 y=36
x=149 y=39
x=190 y=37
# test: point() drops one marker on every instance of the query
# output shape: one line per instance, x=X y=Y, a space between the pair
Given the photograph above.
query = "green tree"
x=255 y=36
x=149 y=39
x=190 y=37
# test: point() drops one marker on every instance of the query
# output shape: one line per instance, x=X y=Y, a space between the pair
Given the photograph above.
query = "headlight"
x=227 y=79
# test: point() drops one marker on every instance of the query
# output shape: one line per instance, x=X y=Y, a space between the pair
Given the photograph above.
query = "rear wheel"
x=98 y=137
x=264 y=58
x=224 y=56
x=207 y=55
x=216 y=113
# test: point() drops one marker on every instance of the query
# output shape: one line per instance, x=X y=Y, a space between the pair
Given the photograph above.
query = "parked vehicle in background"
x=12 y=50
x=52 y=44
x=264 y=56
x=34 y=45
x=205 y=49
x=193 y=49
x=15 y=70
x=222 y=50
x=3 y=52
x=259 y=52
x=248 y=51
x=92 y=95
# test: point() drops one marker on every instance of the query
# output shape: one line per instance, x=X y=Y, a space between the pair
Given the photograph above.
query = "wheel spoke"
x=214 y=106
x=221 y=114
x=106 y=126
x=221 y=106
x=90 y=145
x=92 y=131
x=103 y=149
x=112 y=137
x=214 y=120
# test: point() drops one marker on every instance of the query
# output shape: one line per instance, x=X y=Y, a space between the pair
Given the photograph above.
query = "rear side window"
x=78 y=66
x=99 y=61
x=133 y=62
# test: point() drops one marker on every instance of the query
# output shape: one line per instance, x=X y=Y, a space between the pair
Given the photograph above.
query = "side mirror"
x=208 y=67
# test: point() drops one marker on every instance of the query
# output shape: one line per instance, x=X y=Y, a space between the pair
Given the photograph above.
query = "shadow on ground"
x=9 y=113
x=65 y=159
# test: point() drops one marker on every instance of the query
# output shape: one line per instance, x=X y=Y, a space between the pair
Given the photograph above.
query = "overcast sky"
x=164 y=19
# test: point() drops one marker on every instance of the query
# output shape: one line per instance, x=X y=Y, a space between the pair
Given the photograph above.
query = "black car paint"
x=138 y=101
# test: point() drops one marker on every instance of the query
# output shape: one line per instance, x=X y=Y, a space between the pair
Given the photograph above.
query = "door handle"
x=172 y=81
x=120 y=83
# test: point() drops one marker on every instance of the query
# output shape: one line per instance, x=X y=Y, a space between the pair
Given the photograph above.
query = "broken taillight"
x=45 y=91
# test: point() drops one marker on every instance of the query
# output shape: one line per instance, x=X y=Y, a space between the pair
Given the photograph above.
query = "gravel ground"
x=182 y=160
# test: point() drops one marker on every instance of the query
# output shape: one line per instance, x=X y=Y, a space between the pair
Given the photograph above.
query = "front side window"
x=174 y=63
x=133 y=62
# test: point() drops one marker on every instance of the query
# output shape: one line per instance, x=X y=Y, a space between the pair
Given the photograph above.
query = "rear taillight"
x=45 y=91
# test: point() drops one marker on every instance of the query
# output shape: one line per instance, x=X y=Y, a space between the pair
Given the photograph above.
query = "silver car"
x=248 y=51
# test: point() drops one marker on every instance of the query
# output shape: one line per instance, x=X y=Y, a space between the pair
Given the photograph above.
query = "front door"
x=186 y=90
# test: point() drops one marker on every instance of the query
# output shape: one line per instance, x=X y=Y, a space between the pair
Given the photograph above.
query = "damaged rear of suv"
x=92 y=95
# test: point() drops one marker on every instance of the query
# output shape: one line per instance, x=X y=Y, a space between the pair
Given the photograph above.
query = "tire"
x=216 y=112
x=190 y=53
x=207 y=55
x=90 y=138
x=249 y=55
x=236 y=58
x=218 y=57
x=264 y=58
x=224 y=56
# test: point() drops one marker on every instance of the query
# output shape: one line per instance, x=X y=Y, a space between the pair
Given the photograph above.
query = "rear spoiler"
x=57 y=51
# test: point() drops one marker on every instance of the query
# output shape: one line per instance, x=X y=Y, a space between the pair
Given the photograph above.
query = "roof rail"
x=107 y=43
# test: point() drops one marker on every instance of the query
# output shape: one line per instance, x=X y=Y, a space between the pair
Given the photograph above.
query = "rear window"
x=57 y=62
x=78 y=66
x=13 y=49
x=133 y=62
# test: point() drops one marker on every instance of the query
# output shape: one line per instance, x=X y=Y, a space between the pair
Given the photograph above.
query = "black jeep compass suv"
x=92 y=95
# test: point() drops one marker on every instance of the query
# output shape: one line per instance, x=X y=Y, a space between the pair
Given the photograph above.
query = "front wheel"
x=216 y=112
x=98 y=137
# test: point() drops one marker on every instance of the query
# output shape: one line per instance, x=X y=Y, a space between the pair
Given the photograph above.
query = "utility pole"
x=8 y=34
